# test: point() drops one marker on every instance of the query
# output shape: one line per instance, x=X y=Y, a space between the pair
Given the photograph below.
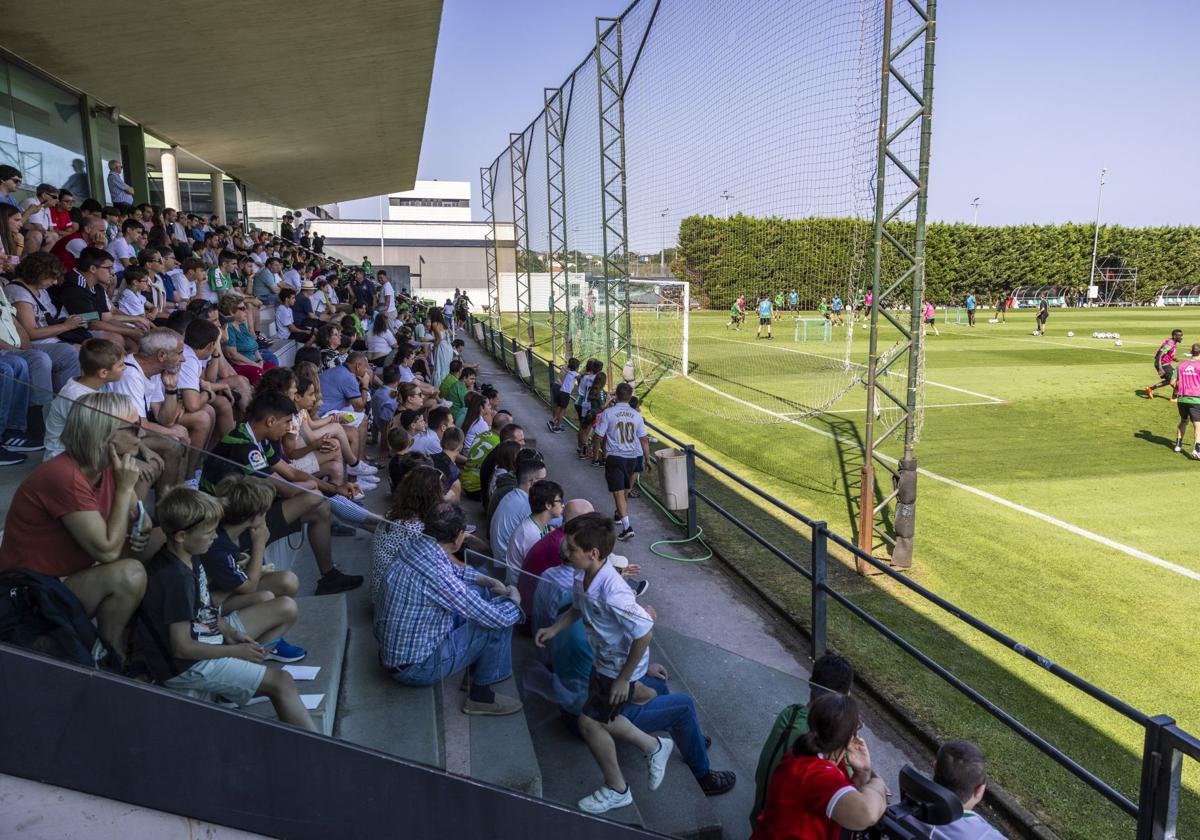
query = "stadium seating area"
x=201 y=419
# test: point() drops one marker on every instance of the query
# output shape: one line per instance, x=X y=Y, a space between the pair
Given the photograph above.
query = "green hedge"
x=723 y=258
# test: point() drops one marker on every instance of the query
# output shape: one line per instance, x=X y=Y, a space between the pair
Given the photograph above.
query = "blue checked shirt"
x=423 y=593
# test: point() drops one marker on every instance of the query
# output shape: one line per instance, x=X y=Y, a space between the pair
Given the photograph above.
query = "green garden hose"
x=699 y=536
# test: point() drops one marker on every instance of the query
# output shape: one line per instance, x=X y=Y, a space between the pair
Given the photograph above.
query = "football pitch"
x=1051 y=505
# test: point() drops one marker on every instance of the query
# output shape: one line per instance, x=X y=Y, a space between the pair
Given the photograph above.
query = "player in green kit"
x=737 y=313
x=779 y=299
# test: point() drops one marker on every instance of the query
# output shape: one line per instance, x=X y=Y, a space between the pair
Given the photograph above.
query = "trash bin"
x=479 y=331
x=522 y=360
x=671 y=467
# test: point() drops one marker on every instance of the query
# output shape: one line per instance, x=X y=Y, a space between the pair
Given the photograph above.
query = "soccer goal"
x=812 y=329
x=658 y=327
x=955 y=315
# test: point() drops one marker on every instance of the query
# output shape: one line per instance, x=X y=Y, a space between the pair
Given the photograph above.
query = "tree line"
x=820 y=257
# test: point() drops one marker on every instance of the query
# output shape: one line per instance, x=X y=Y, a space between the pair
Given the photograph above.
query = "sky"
x=1031 y=100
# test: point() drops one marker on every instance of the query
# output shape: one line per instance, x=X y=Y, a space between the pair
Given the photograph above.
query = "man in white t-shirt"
x=619 y=632
x=151 y=380
x=121 y=248
x=198 y=392
x=626 y=443
x=545 y=505
x=39 y=226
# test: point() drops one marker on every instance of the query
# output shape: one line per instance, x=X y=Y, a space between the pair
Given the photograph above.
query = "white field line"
x=1080 y=345
x=892 y=408
x=987 y=397
x=991 y=497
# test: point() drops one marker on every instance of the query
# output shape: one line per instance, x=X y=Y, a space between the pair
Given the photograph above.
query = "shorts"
x=1168 y=372
x=618 y=472
x=930 y=320
x=1042 y=316
x=762 y=321
x=562 y=399
x=1189 y=411
x=235 y=680
x=277 y=524
x=597 y=706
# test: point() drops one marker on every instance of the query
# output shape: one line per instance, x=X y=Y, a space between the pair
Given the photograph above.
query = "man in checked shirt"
x=434 y=617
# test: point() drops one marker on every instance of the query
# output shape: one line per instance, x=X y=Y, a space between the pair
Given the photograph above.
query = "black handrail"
x=1165 y=743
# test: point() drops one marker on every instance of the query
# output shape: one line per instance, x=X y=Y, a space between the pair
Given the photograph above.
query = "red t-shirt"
x=60 y=218
x=542 y=555
x=803 y=791
x=34 y=535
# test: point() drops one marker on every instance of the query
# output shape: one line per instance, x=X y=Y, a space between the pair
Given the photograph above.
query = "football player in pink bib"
x=1187 y=392
x=1163 y=360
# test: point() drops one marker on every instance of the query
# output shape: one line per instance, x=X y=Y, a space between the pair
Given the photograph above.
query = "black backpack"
x=39 y=613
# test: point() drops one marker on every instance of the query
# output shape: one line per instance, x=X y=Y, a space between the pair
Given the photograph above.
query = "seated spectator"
x=504 y=479
x=477 y=450
x=70 y=517
x=381 y=343
x=456 y=391
x=40 y=234
x=90 y=235
x=253 y=448
x=122 y=247
x=236 y=577
x=329 y=435
x=85 y=292
x=201 y=343
x=48 y=329
x=182 y=639
x=101 y=362
x=151 y=380
x=446 y=461
x=960 y=768
x=268 y=280
x=14 y=406
x=830 y=673
x=545 y=505
x=514 y=507
x=345 y=393
x=429 y=442
x=285 y=319
x=384 y=400
x=619 y=632
x=417 y=492
x=492 y=467
x=434 y=618
x=28 y=388
x=241 y=348
x=544 y=555
x=811 y=794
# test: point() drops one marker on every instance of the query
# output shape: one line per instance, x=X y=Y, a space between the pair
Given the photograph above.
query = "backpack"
x=39 y=613
x=789 y=725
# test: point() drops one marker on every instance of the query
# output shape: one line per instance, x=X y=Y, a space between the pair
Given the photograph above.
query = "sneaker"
x=716 y=782
x=1178 y=446
x=550 y=426
x=335 y=581
x=597 y=463
x=192 y=483
x=627 y=534
x=656 y=762
x=8 y=458
x=367 y=482
x=616 y=516
x=21 y=443
x=640 y=587
x=502 y=705
x=337 y=529
x=1196 y=454
x=283 y=652
x=359 y=496
x=606 y=799
x=362 y=468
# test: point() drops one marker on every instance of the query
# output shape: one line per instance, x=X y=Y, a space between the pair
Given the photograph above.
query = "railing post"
x=689 y=452
x=550 y=381
x=820 y=570
x=529 y=362
x=1158 y=801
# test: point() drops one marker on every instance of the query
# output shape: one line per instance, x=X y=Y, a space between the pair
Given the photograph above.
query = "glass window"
x=109 y=135
x=41 y=131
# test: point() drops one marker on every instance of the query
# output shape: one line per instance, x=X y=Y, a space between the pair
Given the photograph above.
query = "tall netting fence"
x=745 y=148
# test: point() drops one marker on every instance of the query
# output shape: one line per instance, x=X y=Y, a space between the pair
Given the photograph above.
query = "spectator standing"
x=434 y=618
x=119 y=193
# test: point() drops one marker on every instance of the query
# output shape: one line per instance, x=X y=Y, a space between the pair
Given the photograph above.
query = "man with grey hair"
x=119 y=192
x=346 y=388
x=151 y=380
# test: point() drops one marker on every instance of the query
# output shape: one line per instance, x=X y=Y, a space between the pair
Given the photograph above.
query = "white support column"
x=218 y=194
x=170 y=177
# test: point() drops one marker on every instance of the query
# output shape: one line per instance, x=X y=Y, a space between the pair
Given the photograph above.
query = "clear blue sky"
x=1031 y=100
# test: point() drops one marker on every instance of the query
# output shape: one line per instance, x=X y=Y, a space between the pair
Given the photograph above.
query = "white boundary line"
x=892 y=408
x=1036 y=514
x=835 y=360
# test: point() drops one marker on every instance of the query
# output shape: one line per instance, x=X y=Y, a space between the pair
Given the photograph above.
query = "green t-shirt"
x=823 y=307
x=480 y=447
x=733 y=309
x=219 y=282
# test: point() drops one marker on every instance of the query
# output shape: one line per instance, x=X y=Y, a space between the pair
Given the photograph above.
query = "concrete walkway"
x=741 y=664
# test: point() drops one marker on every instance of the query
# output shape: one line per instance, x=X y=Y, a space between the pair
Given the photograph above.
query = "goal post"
x=659 y=319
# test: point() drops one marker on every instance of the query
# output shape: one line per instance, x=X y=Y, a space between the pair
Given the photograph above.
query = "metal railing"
x=1165 y=743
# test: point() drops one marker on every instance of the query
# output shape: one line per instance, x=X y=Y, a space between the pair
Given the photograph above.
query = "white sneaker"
x=366 y=480
x=656 y=762
x=362 y=468
x=192 y=483
x=606 y=799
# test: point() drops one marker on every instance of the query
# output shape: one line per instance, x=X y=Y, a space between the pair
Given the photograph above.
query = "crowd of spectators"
x=177 y=448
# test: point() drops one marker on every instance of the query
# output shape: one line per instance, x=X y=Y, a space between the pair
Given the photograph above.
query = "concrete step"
x=502 y=749
x=321 y=630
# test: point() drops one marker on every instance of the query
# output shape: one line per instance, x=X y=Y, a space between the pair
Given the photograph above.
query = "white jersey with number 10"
x=622 y=428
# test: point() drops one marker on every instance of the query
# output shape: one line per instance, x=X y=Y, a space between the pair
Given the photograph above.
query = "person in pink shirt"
x=1187 y=393
x=930 y=315
x=1163 y=361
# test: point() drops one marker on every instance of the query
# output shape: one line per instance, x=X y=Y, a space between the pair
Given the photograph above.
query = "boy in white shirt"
x=627 y=451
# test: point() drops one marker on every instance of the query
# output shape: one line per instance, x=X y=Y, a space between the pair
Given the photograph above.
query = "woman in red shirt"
x=70 y=517
x=811 y=796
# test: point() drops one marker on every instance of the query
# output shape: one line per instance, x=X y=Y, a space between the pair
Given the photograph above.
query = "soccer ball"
x=1070 y=335
x=1035 y=332
x=1119 y=343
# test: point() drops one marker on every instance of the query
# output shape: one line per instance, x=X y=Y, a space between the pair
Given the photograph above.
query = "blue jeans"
x=487 y=652
x=676 y=715
x=268 y=356
x=14 y=391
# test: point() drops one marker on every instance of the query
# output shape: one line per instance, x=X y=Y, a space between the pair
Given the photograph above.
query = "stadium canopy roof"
x=308 y=102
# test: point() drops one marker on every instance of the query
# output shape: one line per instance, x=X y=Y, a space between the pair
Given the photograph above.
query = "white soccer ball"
x=1116 y=335
x=1070 y=334
x=1035 y=332
x=1095 y=335
x=1119 y=343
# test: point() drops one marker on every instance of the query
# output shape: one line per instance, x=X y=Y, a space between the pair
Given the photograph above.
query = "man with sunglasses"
x=10 y=182
x=39 y=226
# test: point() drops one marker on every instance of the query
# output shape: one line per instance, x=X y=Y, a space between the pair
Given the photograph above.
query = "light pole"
x=1096 y=233
x=975 y=203
x=726 y=195
x=662 y=236
x=382 y=229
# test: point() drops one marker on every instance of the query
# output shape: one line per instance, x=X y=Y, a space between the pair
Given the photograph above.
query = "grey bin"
x=672 y=478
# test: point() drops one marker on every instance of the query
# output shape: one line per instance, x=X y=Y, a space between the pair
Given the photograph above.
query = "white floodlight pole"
x=975 y=204
x=1096 y=233
x=381 y=230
